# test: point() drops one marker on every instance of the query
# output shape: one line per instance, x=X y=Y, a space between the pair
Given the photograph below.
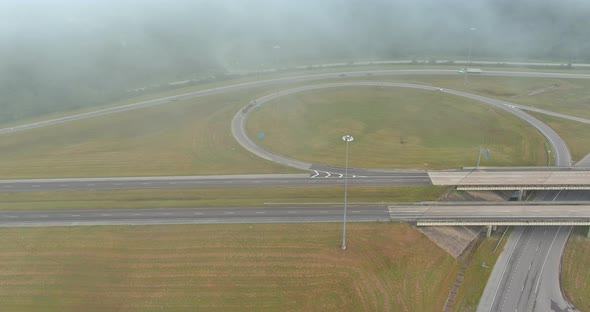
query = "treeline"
x=62 y=61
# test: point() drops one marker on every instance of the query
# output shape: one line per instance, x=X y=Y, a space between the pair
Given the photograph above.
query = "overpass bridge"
x=565 y=213
x=514 y=178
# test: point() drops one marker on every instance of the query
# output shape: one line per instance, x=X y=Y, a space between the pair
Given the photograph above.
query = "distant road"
x=217 y=215
x=294 y=79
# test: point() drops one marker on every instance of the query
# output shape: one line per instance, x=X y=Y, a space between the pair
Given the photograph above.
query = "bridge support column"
x=588 y=235
x=489 y=231
x=521 y=194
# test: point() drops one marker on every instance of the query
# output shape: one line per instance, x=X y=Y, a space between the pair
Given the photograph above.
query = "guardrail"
x=503 y=223
x=522 y=187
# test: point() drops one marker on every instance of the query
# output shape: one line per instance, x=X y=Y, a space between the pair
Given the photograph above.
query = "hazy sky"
x=240 y=28
x=80 y=52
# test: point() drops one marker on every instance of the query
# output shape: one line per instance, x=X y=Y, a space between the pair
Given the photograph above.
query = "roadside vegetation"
x=213 y=197
x=478 y=264
x=258 y=267
x=575 y=276
x=189 y=137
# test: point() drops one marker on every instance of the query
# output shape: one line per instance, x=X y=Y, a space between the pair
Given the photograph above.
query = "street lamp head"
x=347 y=138
x=472 y=28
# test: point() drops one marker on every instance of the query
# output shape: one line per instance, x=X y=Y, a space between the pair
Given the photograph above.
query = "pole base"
x=343 y=247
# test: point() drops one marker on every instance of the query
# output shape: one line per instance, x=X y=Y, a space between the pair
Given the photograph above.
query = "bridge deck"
x=513 y=180
x=492 y=214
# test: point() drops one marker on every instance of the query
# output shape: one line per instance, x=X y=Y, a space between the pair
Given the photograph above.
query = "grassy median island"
x=575 y=276
x=394 y=128
x=212 y=197
x=259 y=267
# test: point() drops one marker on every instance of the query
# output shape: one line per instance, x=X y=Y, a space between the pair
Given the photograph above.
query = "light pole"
x=472 y=29
x=276 y=50
x=347 y=138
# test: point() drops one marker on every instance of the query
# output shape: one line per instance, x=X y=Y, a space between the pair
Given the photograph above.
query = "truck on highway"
x=470 y=71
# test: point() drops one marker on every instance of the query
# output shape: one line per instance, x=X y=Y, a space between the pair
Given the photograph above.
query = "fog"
x=65 y=54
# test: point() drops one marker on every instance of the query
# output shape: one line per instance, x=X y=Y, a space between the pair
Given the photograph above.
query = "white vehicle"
x=470 y=71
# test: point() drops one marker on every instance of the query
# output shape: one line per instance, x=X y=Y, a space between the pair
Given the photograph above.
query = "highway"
x=516 y=179
x=527 y=275
x=297 y=213
x=541 y=295
x=393 y=178
x=217 y=215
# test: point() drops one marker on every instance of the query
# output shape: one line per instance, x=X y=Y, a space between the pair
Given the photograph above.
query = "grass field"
x=575 y=276
x=264 y=76
x=212 y=197
x=300 y=267
x=394 y=128
x=568 y=96
x=575 y=134
x=193 y=137
x=479 y=265
x=190 y=137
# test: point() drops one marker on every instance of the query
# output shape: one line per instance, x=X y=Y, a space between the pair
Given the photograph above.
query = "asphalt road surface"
x=392 y=178
x=527 y=275
x=218 y=215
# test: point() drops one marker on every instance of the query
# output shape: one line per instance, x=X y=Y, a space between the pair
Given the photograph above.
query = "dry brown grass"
x=387 y=267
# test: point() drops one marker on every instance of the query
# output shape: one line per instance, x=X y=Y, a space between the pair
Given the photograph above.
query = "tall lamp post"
x=472 y=29
x=347 y=138
x=276 y=48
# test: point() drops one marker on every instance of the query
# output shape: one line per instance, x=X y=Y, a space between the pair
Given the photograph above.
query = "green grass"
x=265 y=76
x=193 y=137
x=394 y=128
x=262 y=267
x=567 y=96
x=575 y=273
x=476 y=274
x=212 y=197
x=189 y=137
x=574 y=133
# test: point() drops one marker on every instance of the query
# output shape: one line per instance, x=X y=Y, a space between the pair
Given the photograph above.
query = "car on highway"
x=470 y=71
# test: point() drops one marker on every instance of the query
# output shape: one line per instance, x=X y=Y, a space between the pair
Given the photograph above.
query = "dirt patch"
x=453 y=240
